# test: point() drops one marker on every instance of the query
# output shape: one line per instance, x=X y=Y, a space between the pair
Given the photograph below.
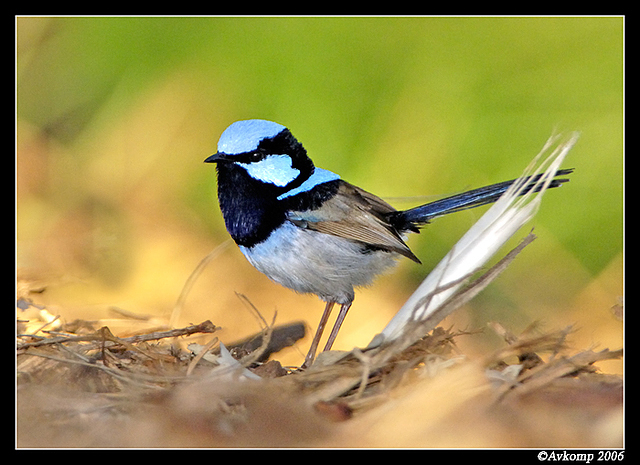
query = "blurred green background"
x=116 y=115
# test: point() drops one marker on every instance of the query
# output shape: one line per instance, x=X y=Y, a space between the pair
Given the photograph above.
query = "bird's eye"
x=255 y=156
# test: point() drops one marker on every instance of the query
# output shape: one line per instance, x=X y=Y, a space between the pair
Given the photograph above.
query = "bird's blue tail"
x=474 y=198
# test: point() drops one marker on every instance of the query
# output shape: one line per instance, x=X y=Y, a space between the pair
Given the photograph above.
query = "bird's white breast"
x=312 y=262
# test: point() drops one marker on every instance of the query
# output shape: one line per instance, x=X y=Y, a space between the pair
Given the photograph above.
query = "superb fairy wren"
x=309 y=230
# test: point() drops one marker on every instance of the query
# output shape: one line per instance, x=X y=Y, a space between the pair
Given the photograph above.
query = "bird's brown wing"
x=357 y=215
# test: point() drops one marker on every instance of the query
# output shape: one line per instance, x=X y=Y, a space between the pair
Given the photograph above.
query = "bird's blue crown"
x=245 y=136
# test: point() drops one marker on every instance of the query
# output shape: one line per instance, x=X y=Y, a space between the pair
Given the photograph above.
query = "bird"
x=309 y=230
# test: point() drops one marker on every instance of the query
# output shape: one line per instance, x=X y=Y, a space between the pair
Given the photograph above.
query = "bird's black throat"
x=250 y=209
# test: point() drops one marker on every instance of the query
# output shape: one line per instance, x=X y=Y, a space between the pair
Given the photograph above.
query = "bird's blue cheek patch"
x=274 y=169
x=318 y=177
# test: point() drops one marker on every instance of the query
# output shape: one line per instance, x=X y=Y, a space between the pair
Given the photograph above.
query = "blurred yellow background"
x=116 y=115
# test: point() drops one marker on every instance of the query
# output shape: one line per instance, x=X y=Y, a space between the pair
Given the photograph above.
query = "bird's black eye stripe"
x=251 y=157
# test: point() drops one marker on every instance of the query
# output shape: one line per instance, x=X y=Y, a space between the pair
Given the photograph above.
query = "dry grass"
x=81 y=386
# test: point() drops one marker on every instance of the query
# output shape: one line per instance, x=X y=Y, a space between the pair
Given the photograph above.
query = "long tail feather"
x=473 y=198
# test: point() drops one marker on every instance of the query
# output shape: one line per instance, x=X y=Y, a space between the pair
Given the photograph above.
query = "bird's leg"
x=336 y=327
x=316 y=339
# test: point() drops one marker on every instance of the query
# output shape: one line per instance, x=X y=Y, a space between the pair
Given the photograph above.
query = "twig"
x=139 y=379
x=543 y=375
x=366 y=371
x=99 y=337
x=201 y=354
x=57 y=317
x=177 y=309
x=267 y=330
x=281 y=336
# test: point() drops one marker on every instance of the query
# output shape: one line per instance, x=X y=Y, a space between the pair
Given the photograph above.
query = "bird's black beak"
x=216 y=157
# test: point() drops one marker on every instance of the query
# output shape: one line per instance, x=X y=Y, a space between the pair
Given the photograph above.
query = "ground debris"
x=79 y=385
